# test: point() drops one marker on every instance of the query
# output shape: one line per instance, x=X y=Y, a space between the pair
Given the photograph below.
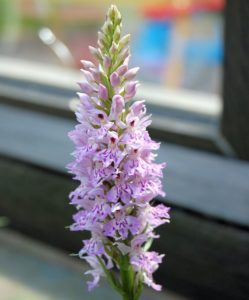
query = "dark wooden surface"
x=236 y=77
x=204 y=260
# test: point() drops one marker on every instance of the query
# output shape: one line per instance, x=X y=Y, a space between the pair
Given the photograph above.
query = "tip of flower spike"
x=108 y=123
x=87 y=64
x=95 y=52
x=114 y=14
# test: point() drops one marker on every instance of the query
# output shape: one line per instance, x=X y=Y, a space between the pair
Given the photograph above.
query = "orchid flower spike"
x=114 y=164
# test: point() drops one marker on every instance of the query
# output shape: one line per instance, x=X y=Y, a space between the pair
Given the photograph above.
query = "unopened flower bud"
x=86 y=87
x=107 y=62
x=87 y=64
x=127 y=59
x=95 y=73
x=117 y=34
x=103 y=93
x=130 y=74
x=124 y=41
x=114 y=14
x=117 y=106
x=113 y=48
x=122 y=70
x=114 y=79
x=85 y=100
x=123 y=55
x=101 y=43
x=96 y=52
x=108 y=27
x=130 y=87
x=88 y=75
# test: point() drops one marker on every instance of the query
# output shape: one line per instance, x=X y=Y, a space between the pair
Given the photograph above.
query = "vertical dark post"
x=235 y=120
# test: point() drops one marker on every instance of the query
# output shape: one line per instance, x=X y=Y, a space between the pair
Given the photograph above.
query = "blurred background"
x=168 y=36
x=194 y=73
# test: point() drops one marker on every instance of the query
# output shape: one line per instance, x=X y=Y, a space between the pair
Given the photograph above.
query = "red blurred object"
x=171 y=11
x=165 y=11
x=210 y=5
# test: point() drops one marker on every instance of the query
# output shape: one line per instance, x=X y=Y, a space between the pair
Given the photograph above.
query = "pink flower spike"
x=114 y=165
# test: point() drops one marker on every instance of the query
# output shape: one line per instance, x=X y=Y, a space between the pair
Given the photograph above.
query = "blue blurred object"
x=181 y=47
x=151 y=49
x=209 y=50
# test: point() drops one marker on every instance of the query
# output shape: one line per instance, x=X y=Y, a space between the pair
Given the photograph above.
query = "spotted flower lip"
x=114 y=163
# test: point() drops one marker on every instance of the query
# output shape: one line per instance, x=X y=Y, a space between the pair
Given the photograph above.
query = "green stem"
x=127 y=278
x=132 y=297
x=127 y=297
